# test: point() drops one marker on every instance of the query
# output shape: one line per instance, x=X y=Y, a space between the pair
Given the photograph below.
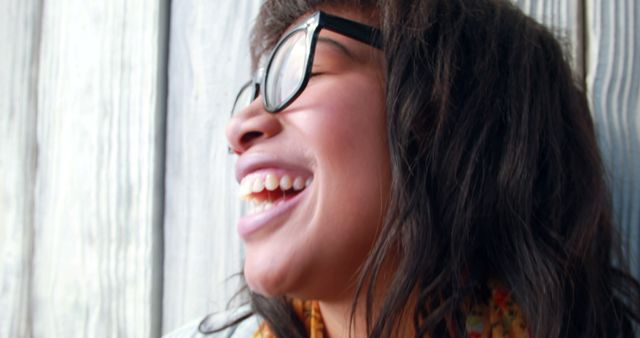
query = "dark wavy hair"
x=496 y=175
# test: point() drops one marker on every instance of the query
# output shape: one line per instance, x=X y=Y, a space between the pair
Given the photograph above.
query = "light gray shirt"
x=245 y=329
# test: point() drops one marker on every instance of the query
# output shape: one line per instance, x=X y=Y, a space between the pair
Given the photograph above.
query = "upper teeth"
x=259 y=182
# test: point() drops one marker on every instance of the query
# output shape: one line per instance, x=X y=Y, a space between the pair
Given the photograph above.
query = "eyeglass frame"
x=314 y=24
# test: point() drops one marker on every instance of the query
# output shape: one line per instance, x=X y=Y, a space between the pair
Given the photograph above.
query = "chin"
x=265 y=281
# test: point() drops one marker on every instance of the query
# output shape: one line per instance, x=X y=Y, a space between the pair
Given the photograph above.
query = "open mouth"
x=267 y=190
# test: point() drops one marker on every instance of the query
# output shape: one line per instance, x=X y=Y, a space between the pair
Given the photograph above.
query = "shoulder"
x=245 y=329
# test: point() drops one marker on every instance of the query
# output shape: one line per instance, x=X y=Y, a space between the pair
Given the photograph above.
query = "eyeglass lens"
x=286 y=71
x=245 y=97
x=284 y=76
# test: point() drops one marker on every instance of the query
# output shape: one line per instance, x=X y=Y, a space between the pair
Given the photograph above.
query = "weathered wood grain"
x=19 y=39
x=98 y=207
x=613 y=84
x=208 y=64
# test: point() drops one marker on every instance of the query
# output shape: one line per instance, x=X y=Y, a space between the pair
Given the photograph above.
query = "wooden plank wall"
x=208 y=63
x=97 y=229
x=84 y=129
x=104 y=233
x=613 y=83
x=19 y=45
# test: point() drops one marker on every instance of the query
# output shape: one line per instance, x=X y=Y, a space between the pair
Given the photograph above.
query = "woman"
x=420 y=169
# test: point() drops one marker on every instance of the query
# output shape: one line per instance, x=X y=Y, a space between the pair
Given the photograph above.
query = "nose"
x=251 y=126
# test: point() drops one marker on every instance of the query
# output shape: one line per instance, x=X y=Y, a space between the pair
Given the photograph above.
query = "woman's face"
x=328 y=150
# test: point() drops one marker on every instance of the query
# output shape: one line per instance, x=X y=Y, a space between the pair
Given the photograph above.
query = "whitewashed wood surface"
x=613 y=83
x=86 y=118
x=19 y=39
x=103 y=235
x=209 y=61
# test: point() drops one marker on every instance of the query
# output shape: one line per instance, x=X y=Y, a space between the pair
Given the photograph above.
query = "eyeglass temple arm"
x=355 y=30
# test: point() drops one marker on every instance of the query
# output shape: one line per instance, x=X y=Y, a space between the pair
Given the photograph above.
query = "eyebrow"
x=336 y=44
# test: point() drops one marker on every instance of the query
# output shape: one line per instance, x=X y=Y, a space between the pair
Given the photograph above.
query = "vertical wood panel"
x=97 y=245
x=19 y=38
x=209 y=61
x=613 y=83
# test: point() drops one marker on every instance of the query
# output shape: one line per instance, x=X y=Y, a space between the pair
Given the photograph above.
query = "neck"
x=337 y=313
x=337 y=318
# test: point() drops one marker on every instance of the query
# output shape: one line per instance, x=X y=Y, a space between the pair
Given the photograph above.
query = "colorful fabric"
x=309 y=312
x=500 y=318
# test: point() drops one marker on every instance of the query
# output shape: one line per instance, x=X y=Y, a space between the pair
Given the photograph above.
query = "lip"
x=247 y=164
x=251 y=224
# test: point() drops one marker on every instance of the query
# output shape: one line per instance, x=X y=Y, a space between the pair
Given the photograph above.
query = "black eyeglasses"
x=289 y=65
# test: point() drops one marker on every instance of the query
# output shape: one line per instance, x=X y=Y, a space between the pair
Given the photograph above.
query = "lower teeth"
x=258 y=207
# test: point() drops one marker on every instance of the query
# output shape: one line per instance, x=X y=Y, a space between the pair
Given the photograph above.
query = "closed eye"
x=336 y=45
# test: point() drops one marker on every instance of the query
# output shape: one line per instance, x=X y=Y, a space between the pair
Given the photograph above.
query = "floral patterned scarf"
x=501 y=318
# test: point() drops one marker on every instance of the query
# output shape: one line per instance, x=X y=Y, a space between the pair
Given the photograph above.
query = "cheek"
x=349 y=125
x=342 y=130
x=349 y=134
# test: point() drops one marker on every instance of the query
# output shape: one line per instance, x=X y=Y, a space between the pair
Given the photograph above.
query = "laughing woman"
x=419 y=169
